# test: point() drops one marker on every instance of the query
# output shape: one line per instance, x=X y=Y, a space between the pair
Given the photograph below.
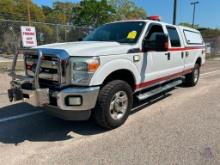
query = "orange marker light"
x=92 y=67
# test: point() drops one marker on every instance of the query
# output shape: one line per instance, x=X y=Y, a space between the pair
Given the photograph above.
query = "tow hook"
x=15 y=94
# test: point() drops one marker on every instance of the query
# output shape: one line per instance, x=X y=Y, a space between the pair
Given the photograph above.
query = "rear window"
x=193 y=37
x=174 y=37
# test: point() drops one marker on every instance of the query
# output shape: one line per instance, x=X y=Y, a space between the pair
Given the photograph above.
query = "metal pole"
x=194 y=11
x=57 y=33
x=29 y=13
x=174 y=11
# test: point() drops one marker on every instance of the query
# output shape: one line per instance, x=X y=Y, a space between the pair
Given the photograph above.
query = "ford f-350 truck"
x=101 y=75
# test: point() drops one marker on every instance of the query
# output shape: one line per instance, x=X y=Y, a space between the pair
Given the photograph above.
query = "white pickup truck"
x=101 y=75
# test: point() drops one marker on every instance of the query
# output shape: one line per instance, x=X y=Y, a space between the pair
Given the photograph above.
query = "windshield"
x=122 y=32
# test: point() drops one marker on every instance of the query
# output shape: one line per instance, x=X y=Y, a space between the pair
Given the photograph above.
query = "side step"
x=158 y=90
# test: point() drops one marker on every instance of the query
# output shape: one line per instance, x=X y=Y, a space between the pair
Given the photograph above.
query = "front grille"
x=49 y=73
x=48 y=83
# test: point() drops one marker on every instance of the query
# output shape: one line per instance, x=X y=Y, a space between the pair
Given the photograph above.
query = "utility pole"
x=174 y=11
x=29 y=12
x=194 y=11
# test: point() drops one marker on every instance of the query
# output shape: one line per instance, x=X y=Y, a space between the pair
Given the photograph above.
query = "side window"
x=193 y=37
x=152 y=33
x=174 y=37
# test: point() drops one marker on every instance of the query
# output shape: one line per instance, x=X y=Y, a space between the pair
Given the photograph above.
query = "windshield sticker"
x=132 y=35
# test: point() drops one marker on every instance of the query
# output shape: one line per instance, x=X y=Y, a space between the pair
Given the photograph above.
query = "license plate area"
x=38 y=97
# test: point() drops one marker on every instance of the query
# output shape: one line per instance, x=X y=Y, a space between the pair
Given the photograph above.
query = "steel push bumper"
x=28 y=89
x=35 y=95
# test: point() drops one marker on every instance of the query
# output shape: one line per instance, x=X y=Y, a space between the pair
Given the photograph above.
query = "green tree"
x=126 y=9
x=17 y=10
x=65 y=8
x=56 y=17
x=60 y=13
x=92 y=13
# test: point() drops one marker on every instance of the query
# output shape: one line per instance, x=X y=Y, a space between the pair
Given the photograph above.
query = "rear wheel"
x=114 y=104
x=193 y=78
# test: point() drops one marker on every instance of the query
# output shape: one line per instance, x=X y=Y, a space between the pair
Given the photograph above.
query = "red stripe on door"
x=186 y=48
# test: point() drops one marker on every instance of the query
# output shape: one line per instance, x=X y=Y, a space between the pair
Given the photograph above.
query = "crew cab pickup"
x=101 y=75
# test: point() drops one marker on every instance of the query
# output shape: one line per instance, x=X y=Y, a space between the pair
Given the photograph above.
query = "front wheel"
x=114 y=104
x=193 y=78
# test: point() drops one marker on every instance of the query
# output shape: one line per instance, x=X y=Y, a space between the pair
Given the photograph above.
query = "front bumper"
x=88 y=97
x=42 y=97
x=55 y=102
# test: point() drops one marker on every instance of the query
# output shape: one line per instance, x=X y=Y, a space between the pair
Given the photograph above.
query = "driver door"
x=156 y=64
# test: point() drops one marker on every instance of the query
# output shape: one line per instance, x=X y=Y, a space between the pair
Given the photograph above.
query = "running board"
x=158 y=90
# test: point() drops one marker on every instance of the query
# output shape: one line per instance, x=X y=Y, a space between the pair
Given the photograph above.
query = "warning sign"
x=28 y=34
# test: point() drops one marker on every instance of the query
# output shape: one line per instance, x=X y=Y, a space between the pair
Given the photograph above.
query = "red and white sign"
x=29 y=38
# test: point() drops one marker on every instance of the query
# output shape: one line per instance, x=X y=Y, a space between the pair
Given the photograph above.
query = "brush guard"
x=28 y=88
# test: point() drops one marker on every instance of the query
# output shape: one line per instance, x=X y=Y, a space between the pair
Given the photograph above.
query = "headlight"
x=82 y=69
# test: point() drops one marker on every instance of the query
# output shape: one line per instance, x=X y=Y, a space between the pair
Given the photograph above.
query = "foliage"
x=60 y=13
x=17 y=10
x=92 y=13
x=126 y=9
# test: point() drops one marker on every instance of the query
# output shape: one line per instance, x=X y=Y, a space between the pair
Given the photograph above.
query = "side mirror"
x=159 y=44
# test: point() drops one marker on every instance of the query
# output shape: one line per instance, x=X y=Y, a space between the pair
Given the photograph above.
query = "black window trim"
x=148 y=29
x=173 y=27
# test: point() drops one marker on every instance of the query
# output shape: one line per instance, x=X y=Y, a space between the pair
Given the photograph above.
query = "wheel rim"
x=118 y=105
x=196 y=75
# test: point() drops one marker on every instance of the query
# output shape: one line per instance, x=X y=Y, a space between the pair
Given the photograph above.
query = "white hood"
x=90 y=48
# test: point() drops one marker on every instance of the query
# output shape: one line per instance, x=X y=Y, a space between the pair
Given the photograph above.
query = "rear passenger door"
x=175 y=50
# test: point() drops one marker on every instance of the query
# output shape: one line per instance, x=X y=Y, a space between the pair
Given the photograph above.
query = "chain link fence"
x=213 y=46
x=10 y=34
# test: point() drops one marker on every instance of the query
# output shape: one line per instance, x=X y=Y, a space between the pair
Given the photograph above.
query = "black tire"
x=102 y=113
x=192 y=79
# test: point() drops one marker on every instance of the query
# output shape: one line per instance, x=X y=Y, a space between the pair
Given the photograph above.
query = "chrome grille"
x=49 y=71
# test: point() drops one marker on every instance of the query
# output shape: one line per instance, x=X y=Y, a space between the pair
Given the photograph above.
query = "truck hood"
x=90 y=48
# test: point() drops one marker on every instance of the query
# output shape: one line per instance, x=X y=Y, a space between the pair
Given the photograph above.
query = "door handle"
x=182 y=55
x=187 y=54
x=168 y=55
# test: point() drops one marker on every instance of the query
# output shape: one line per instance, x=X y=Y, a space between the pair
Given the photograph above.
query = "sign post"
x=29 y=38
